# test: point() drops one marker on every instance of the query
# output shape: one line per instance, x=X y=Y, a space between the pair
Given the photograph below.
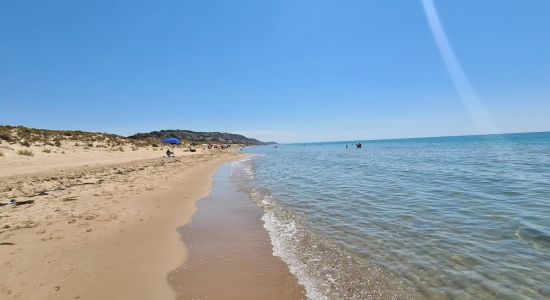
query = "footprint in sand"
x=5 y=290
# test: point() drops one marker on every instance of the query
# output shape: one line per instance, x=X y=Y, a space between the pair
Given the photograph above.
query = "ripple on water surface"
x=462 y=217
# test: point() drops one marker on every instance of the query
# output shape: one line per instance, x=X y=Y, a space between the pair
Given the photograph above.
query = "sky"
x=288 y=71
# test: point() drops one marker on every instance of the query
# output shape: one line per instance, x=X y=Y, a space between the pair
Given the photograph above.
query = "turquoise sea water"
x=437 y=218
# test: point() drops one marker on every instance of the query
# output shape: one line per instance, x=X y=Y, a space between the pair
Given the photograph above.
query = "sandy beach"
x=230 y=255
x=98 y=225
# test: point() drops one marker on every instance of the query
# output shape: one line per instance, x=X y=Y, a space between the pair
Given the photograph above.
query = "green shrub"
x=57 y=143
x=46 y=150
x=25 y=152
x=25 y=143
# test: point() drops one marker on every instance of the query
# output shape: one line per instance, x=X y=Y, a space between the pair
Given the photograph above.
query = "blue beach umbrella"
x=172 y=141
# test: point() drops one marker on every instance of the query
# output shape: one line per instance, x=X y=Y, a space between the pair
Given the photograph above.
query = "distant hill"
x=198 y=137
x=33 y=136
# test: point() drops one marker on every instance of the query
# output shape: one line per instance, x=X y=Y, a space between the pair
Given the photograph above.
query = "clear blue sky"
x=288 y=71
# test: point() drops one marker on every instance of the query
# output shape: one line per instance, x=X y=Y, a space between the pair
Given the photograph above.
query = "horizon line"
x=418 y=137
x=293 y=143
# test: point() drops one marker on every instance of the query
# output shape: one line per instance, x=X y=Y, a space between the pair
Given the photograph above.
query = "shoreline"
x=230 y=253
x=96 y=232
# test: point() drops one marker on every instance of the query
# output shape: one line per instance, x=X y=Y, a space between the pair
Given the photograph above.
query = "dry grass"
x=13 y=134
x=25 y=152
x=117 y=149
x=29 y=136
x=1 y=153
x=47 y=150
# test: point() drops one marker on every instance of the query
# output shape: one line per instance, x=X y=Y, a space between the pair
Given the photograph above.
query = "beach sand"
x=229 y=252
x=98 y=227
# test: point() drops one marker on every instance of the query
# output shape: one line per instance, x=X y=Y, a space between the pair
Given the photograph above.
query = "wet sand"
x=229 y=252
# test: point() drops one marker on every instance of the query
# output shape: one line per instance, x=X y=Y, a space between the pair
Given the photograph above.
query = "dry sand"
x=97 y=225
x=71 y=156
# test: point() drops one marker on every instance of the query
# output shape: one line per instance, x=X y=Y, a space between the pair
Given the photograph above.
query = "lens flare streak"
x=465 y=90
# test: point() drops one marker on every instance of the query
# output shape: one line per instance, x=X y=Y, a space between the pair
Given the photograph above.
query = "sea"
x=464 y=217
